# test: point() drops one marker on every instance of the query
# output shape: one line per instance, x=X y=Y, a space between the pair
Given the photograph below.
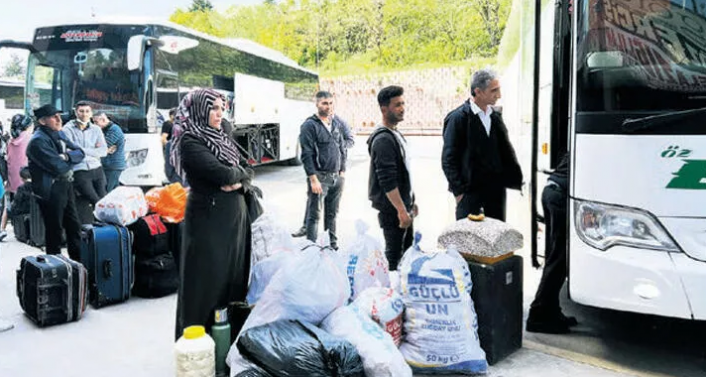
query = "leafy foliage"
x=14 y=68
x=335 y=35
x=201 y=6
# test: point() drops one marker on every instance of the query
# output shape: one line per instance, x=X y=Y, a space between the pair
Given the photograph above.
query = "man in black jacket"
x=51 y=156
x=349 y=140
x=477 y=158
x=545 y=314
x=324 y=159
x=389 y=183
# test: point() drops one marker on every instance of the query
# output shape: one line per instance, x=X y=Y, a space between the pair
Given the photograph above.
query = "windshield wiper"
x=634 y=125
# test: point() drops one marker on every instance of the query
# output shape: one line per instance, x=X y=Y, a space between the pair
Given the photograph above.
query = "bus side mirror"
x=136 y=50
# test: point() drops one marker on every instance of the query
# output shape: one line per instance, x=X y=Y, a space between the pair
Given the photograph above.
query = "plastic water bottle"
x=221 y=335
x=195 y=353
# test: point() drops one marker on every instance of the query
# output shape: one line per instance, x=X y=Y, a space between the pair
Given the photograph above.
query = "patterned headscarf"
x=192 y=119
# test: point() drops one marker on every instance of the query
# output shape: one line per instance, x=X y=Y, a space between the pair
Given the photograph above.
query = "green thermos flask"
x=220 y=332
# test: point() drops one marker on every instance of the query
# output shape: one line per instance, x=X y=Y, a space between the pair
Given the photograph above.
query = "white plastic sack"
x=367 y=264
x=310 y=286
x=384 y=306
x=380 y=356
x=440 y=323
x=262 y=273
x=122 y=206
x=269 y=236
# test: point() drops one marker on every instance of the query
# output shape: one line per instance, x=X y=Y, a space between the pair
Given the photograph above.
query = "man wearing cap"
x=52 y=156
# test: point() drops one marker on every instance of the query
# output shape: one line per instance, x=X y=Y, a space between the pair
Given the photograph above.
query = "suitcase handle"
x=108 y=268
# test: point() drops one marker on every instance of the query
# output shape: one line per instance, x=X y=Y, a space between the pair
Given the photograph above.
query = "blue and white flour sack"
x=440 y=322
x=367 y=264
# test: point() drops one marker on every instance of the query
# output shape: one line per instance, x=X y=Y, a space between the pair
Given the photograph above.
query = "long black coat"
x=215 y=254
x=478 y=165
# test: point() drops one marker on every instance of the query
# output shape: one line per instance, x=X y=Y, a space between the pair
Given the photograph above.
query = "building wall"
x=429 y=95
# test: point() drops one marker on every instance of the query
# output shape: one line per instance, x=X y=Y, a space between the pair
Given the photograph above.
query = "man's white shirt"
x=483 y=115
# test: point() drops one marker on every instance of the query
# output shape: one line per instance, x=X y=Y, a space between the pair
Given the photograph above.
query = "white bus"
x=11 y=100
x=621 y=86
x=137 y=71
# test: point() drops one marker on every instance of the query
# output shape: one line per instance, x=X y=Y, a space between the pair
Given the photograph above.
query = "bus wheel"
x=296 y=161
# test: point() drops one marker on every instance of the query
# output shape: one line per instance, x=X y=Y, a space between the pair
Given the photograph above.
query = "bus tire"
x=297 y=160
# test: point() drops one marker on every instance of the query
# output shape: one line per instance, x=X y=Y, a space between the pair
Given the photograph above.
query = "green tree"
x=15 y=68
x=201 y=6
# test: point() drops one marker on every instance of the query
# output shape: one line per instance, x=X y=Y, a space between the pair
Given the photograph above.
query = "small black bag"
x=155 y=276
x=151 y=237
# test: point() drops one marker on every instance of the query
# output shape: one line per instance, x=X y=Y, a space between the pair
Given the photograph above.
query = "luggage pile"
x=350 y=315
x=53 y=289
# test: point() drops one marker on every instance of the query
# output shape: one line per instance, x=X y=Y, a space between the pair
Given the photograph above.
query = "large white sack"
x=441 y=334
x=122 y=206
x=367 y=264
x=310 y=286
x=380 y=356
x=385 y=307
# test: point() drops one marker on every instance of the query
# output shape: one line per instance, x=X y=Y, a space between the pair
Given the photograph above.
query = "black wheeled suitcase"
x=36 y=224
x=20 y=225
x=497 y=297
x=106 y=251
x=52 y=289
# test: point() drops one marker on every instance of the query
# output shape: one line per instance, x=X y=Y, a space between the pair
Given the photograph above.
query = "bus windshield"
x=641 y=55
x=83 y=64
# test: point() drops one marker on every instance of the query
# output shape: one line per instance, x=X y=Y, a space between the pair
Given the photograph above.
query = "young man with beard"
x=390 y=183
x=324 y=158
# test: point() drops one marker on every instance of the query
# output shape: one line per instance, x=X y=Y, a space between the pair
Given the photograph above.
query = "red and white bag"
x=384 y=306
x=122 y=206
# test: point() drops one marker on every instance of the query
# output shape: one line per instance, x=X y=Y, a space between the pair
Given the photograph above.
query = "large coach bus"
x=621 y=86
x=137 y=71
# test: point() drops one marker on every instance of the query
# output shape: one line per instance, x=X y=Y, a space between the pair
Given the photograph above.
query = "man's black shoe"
x=547 y=325
x=570 y=321
x=300 y=233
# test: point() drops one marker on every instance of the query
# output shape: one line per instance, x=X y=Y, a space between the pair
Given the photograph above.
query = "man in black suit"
x=478 y=159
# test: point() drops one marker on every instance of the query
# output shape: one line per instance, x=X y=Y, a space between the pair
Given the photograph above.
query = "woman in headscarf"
x=21 y=129
x=215 y=253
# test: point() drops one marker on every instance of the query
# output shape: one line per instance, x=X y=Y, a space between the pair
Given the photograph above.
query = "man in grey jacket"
x=89 y=178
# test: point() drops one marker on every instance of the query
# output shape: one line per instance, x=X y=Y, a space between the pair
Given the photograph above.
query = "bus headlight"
x=137 y=157
x=603 y=226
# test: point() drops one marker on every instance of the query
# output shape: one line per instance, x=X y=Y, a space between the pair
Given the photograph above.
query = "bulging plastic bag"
x=440 y=323
x=367 y=264
x=380 y=356
x=269 y=237
x=171 y=203
x=122 y=206
x=262 y=273
x=294 y=348
x=384 y=306
x=309 y=287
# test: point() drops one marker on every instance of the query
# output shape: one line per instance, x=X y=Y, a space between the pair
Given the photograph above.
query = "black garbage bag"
x=294 y=348
x=253 y=372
